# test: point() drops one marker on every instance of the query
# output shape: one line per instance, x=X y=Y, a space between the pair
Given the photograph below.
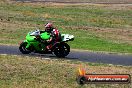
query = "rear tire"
x=61 y=50
x=23 y=49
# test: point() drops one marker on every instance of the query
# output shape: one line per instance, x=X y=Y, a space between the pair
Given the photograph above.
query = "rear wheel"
x=23 y=49
x=62 y=50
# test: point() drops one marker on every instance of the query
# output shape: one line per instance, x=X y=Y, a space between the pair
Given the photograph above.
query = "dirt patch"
x=109 y=69
x=118 y=6
x=80 y=1
x=116 y=35
x=111 y=34
x=13 y=25
x=108 y=4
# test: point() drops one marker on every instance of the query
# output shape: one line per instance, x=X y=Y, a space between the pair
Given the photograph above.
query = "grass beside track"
x=95 y=27
x=36 y=72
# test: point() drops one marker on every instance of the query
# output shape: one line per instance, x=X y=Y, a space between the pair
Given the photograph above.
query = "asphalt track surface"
x=77 y=55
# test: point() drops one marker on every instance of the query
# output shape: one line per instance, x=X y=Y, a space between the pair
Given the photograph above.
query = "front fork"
x=28 y=44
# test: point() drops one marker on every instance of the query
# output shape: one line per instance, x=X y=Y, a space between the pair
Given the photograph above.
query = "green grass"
x=31 y=72
x=92 y=42
x=18 y=19
x=81 y=15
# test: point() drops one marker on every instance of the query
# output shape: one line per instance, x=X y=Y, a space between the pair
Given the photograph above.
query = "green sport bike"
x=36 y=41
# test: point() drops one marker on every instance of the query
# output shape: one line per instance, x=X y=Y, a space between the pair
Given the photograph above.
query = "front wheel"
x=62 y=50
x=23 y=49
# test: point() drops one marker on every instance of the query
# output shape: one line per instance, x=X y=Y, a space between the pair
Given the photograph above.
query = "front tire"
x=23 y=49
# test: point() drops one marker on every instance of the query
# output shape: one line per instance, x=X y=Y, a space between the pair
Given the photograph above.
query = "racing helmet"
x=49 y=27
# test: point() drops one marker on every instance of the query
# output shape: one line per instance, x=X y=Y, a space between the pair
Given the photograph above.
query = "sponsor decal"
x=84 y=78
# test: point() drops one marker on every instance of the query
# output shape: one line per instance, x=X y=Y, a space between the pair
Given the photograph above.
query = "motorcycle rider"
x=54 y=33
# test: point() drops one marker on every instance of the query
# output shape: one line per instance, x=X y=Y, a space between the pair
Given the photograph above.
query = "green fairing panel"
x=45 y=35
x=30 y=38
x=36 y=45
x=31 y=41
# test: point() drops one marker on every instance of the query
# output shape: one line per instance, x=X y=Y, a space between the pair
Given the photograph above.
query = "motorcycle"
x=36 y=41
